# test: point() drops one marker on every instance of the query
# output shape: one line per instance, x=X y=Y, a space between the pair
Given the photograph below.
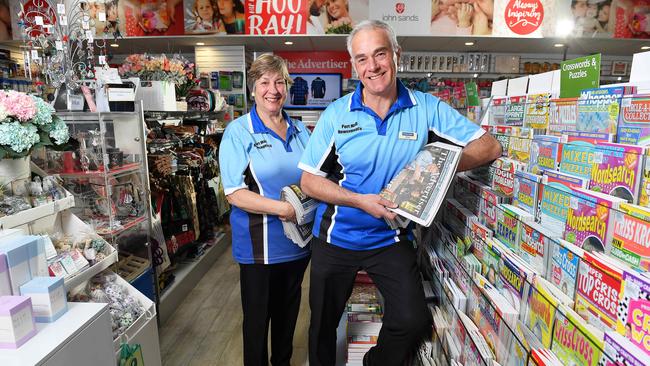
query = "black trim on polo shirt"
x=255 y=221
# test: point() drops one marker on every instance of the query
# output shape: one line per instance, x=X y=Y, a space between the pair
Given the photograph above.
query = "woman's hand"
x=464 y=14
x=287 y=213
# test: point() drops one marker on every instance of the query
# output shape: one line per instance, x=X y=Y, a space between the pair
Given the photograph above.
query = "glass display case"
x=108 y=175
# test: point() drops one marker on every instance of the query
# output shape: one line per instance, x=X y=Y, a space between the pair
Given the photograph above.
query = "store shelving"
x=27 y=216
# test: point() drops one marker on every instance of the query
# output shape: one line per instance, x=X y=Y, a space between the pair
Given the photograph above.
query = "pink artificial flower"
x=18 y=105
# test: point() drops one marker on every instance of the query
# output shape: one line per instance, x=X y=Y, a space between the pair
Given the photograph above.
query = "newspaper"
x=420 y=188
x=300 y=231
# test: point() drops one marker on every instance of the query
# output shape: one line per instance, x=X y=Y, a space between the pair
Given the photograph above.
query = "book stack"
x=364 y=312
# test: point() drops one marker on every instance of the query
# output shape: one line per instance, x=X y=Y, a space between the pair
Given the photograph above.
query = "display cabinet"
x=107 y=174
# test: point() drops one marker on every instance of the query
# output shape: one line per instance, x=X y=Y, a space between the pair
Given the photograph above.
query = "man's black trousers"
x=270 y=292
x=406 y=318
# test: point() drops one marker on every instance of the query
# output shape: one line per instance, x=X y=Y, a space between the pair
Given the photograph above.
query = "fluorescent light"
x=288 y=43
x=645 y=48
x=200 y=44
x=115 y=45
x=558 y=45
x=470 y=43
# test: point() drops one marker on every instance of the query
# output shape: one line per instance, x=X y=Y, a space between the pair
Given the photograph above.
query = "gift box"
x=17 y=253
x=17 y=324
x=5 y=283
x=157 y=95
x=37 y=258
x=48 y=298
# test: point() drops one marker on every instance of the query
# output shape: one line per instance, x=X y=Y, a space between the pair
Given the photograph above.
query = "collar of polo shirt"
x=404 y=98
x=260 y=127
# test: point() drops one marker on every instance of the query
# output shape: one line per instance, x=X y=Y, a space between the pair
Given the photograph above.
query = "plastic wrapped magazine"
x=420 y=188
x=305 y=207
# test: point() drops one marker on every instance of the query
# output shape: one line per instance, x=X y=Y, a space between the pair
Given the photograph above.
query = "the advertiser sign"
x=275 y=17
x=337 y=62
x=407 y=17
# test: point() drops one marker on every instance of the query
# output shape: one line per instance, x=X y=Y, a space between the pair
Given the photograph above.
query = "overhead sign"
x=577 y=74
x=337 y=62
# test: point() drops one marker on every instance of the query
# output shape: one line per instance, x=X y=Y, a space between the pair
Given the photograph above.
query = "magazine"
x=420 y=188
x=300 y=231
x=634 y=120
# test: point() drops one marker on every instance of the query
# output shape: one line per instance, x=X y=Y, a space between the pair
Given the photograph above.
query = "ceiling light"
x=288 y=43
x=645 y=48
x=200 y=44
x=429 y=74
x=565 y=27
x=115 y=45
x=470 y=43
x=475 y=75
x=558 y=45
x=619 y=78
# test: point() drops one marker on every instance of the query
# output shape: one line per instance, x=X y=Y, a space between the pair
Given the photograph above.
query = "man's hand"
x=376 y=206
x=480 y=21
x=287 y=213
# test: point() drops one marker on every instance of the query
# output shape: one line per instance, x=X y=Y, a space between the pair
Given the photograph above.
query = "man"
x=361 y=141
x=314 y=24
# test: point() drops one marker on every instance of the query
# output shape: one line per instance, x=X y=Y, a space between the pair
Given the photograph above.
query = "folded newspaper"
x=300 y=231
x=420 y=188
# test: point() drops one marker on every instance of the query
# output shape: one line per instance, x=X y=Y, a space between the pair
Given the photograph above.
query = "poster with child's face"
x=202 y=16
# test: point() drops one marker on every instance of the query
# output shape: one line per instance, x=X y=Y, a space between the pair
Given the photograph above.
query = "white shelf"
x=53 y=339
x=90 y=272
x=35 y=213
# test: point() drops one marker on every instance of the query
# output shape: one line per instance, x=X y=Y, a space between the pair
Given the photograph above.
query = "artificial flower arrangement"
x=28 y=122
x=157 y=68
x=183 y=90
x=339 y=26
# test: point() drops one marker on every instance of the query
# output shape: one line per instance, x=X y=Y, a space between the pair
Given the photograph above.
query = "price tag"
x=101 y=16
x=35 y=55
x=85 y=25
x=59 y=45
x=89 y=36
x=184 y=227
x=38 y=20
x=102 y=60
x=60 y=8
x=63 y=20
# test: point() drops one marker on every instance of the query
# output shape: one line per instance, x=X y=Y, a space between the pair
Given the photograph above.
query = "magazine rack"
x=555 y=227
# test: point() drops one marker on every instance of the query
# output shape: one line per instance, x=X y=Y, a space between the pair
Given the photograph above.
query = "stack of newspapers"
x=300 y=231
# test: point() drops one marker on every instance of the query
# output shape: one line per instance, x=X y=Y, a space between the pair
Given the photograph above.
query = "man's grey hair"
x=374 y=24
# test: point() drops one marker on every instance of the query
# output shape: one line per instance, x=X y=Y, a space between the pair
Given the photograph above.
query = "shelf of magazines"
x=536 y=279
x=480 y=328
x=614 y=114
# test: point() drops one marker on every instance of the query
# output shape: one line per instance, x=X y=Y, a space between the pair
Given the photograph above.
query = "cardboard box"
x=48 y=298
x=16 y=321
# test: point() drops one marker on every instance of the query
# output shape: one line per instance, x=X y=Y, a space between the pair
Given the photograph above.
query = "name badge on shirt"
x=403 y=135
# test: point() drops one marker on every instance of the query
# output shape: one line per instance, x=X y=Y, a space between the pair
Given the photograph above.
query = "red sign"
x=400 y=7
x=524 y=16
x=321 y=62
x=273 y=17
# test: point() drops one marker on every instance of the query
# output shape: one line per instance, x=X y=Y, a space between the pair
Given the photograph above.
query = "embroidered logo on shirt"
x=350 y=128
x=262 y=145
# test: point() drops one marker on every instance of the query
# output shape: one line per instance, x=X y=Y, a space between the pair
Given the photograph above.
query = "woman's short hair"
x=268 y=63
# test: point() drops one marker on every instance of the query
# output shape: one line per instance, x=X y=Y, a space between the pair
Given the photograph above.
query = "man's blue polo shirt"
x=252 y=156
x=359 y=151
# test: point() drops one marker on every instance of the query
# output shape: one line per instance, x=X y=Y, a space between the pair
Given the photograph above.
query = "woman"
x=233 y=16
x=337 y=9
x=258 y=156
